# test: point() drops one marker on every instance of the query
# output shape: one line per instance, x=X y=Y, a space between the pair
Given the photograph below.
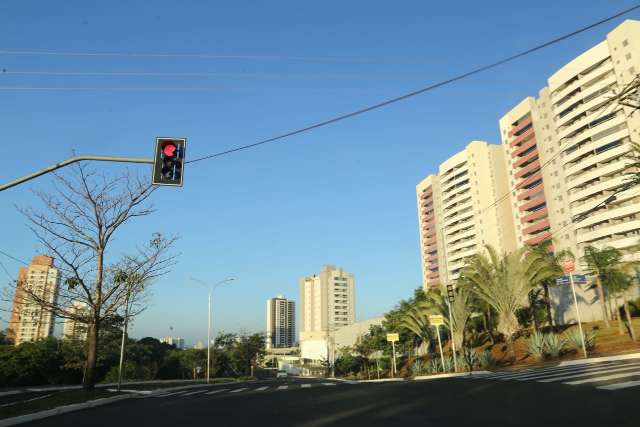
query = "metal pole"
x=453 y=342
x=575 y=301
x=70 y=161
x=440 y=345
x=209 y=336
x=393 y=372
x=124 y=333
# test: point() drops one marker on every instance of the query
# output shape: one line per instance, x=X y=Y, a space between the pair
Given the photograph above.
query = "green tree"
x=504 y=283
x=601 y=263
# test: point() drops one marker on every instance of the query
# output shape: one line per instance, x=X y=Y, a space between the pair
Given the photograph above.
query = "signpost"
x=569 y=266
x=393 y=338
x=437 y=320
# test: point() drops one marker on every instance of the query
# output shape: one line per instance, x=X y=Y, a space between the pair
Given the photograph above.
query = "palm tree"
x=504 y=283
x=601 y=262
x=553 y=260
x=416 y=321
x=436 y=302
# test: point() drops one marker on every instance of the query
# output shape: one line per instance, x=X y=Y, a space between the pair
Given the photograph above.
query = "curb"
x=20 y=419
x=600 y=359
x=452 y=375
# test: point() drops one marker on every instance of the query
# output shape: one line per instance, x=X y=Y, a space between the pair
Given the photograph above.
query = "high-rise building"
x=459 y=211
x=29 y=320
x=75 y=330
x=281 y=324
x=566 y=151
x=177 y=341
x=327 y=302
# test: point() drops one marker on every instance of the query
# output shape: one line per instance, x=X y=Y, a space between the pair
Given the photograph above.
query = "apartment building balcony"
x=522 y=137
x=591 y=145
x=530 y=180
x=524 y=147
x=542 y=213
x=616 y=154
x=609 y=229
x=545 y=235
x=532 y=203
x=433 y=275
x=527 y=193
x=425 y=194
x=432 y=257
x=540 y=225
x=524 y=122
x=526 y=158
x=430 y=240
x=530 y=168
x=597 y=187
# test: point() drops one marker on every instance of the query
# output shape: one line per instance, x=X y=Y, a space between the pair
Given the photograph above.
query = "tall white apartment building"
x=460 y=213
x=281 y=323
x=177 y=341
x=73 y=329
x=327 y=302
x=29 y=320
x=565 y=152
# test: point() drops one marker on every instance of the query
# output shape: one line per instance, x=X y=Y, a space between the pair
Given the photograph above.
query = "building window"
x=625 y=43
x=628 y=56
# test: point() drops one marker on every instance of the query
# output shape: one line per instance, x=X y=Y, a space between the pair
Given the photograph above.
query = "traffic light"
x=451 y=293
x=168 y=161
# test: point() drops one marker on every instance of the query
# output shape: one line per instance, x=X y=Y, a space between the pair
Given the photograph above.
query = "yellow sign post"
x=393 y=338
x=437 y=320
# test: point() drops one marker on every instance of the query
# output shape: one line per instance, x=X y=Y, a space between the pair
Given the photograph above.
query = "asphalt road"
x=314 y=403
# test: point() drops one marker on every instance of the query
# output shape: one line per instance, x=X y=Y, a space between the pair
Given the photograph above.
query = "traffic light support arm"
x=70 y=161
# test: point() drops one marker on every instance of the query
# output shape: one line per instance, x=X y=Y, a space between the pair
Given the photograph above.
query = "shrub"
x=435 y=366
x=536 y=345
x=554 y=344
x=573 y=338
x=418 y=367
x=470 y=358
x=486 y=360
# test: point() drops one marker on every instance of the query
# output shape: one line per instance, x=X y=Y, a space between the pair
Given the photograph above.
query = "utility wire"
x=14 y=258
x=416 y=92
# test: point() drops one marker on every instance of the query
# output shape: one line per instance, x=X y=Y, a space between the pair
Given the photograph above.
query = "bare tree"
x=79 y=220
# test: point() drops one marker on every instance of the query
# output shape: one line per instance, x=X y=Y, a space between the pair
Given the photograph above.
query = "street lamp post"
x=210 y=299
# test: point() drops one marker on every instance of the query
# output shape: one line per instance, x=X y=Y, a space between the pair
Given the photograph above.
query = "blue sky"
x=344 y=194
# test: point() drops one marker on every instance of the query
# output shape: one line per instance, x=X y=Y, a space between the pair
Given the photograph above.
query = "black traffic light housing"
x=451 y=293
x=168 y=161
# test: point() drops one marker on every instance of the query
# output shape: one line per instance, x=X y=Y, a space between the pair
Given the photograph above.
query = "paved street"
x=314 y=403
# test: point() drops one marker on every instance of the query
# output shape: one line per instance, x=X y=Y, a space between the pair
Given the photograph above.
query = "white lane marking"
x=552 y=371
x=305 y=385
x=328 y=383
x=352 y=382
x=194 y=392
x=238 y=390
x=537 y=371
x=605 y=378
x=618 y=386
x=283 y=387
x=586 y=374
x=594 y=369
x=217 y=391
x=262 y=388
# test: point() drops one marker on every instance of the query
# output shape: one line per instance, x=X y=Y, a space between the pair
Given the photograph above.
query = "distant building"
x=199 y=345
x=75 y=330
x=327 y=302
x=29 y=321
x=177 y=341
x=348 y=336
x=281 y=323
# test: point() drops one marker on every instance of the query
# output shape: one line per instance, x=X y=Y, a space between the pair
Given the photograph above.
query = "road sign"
x=436 y=319
x=393 y=337
x=569 y=266
x=577 y=278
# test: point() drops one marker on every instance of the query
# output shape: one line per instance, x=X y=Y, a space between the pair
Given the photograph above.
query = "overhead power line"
x=418 y=91
x=14 y=258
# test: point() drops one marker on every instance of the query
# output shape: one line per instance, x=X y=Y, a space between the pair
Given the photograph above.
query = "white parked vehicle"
x=281 y=374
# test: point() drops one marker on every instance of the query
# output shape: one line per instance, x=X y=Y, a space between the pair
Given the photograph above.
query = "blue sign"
x=578 y=279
